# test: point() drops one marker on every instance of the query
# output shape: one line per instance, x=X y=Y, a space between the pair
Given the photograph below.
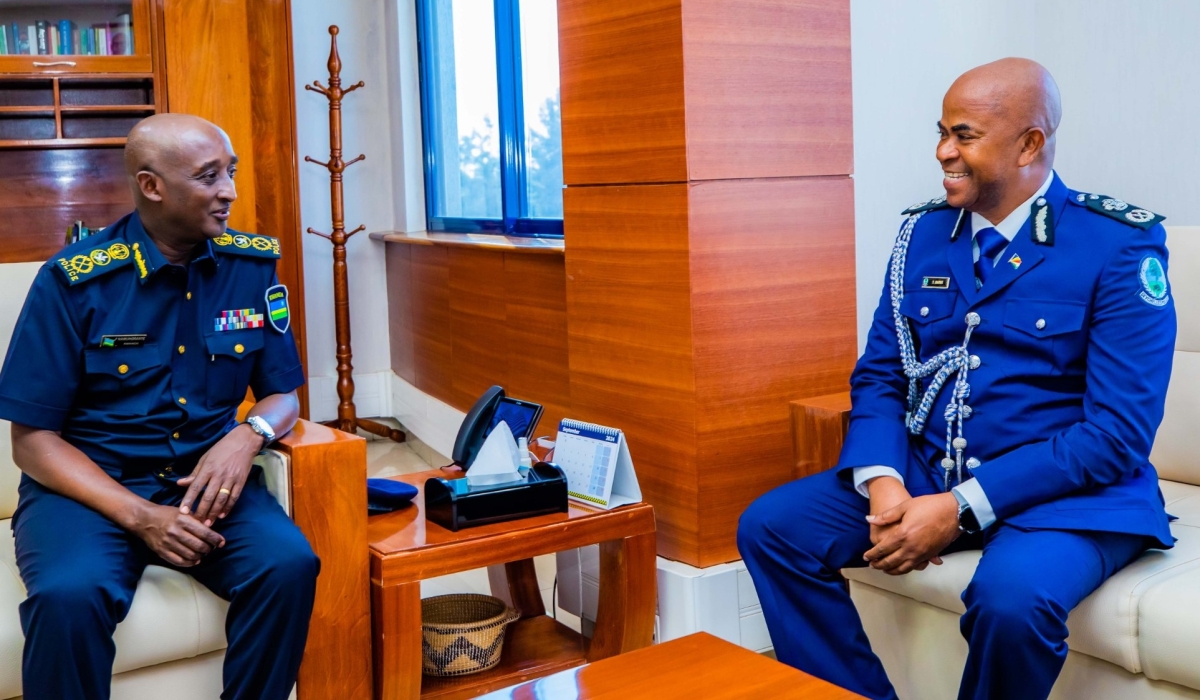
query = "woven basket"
x=462 y=633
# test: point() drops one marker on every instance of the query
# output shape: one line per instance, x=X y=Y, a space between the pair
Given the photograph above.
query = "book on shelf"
x=4 y=41
x=31 y=40
x=43 y=37
x=66 y=34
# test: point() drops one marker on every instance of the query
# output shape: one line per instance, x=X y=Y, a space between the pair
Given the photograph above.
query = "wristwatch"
x=263 y=428
x=967 y=522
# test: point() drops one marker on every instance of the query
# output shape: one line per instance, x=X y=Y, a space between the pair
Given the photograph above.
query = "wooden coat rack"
x=347 y=420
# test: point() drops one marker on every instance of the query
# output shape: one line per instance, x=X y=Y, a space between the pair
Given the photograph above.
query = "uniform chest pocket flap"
x=230 y=362
x=122 y=380
x=1044 y=319
x=122 y=363
x=927 y=306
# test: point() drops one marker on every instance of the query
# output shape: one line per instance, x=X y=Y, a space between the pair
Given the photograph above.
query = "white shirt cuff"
x=864 y=474
x=973 y=494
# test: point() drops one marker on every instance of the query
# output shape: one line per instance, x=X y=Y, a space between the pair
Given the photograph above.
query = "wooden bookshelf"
x=64 y=119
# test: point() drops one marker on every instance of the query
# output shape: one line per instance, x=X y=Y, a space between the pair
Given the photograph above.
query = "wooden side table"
x=405 y=549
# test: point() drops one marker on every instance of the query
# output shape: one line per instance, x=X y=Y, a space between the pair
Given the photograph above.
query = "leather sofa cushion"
x=172 y=617
x=1170 y=629
x=1108 y=624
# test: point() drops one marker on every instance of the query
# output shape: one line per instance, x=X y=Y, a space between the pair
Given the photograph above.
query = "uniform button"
x=974 y=362
x=924 y=311
x=238 y=348
x=973 y=319
x=123 y=369
x=1041 y=323
x=182 y=401
x=181 y=349
x=168 y=469
x=175 y=435
x=189 y=296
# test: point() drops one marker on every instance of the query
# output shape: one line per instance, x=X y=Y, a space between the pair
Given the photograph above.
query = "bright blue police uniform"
x=141 y=365
x=1037 y=392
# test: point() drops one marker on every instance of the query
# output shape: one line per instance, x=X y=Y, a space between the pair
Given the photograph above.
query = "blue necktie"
x=990 y=242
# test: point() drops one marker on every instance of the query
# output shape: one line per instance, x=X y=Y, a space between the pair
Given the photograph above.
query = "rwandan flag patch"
x=277 y=308
x=238 y=319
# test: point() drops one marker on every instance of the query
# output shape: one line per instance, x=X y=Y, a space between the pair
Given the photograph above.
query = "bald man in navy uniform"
x=122 y=382
x=1013 y=379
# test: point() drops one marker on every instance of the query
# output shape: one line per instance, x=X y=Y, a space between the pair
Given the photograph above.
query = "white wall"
x=1129 y=72
x=377 y=45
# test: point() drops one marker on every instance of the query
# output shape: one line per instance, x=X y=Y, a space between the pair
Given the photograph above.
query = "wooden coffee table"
x=405 y=549
x=696 y=666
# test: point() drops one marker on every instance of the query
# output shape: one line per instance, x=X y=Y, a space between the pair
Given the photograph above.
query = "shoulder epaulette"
x=248 y=244
x=1124 y=212
x=89 y=265
x=935 y=203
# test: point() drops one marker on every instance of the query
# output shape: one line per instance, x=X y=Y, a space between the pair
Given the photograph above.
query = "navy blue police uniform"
x=1038 y=390
x=141 y=365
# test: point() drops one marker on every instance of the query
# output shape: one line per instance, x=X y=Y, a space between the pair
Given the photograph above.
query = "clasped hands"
x=908 y=533
x=183 y=535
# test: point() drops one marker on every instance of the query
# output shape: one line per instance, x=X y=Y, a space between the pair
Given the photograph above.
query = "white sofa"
x=1138 y=636
x=172 y=643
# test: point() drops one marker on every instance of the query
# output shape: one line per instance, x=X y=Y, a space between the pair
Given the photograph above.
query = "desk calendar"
x=597 y=464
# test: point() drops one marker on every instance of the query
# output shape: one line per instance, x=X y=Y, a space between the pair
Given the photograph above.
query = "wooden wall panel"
x=400 y=311
x=536 y=321
x=621 y=64
x=768 y=88
x=431 y=323
x=479 y=335
x=463 y=319
x=773 y=306
x=629 y=331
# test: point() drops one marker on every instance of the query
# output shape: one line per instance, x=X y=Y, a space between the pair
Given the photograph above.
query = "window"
x=490 y=115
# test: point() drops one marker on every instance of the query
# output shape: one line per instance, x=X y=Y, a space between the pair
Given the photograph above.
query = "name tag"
x=127 y=340
x=935 y=283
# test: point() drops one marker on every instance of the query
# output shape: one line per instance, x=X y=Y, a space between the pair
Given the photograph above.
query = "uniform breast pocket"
x=124 y=380
x=231 y=358
x=1045 y=336
x=930 y=315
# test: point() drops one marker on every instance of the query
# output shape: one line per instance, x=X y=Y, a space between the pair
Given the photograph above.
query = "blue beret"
x=386 y=495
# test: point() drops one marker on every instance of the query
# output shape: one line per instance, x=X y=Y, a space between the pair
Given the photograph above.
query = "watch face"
x=968 y=521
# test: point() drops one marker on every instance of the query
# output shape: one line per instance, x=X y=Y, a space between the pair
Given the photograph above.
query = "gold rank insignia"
x=93 y=263
x=247 y=244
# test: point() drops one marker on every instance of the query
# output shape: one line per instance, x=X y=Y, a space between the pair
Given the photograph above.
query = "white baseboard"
x=719 y=600
x=433 y=422
x=372 y=396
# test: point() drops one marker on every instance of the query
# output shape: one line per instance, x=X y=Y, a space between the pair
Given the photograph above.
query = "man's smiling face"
x=978 y=149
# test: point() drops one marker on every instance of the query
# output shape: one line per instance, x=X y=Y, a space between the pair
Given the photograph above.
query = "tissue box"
x=455 y=504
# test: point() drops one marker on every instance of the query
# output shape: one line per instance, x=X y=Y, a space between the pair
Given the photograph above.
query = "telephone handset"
x=521 y=416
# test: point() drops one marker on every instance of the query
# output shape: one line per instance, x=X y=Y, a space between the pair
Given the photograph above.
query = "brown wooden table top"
x=696 y=666
x=405 y=547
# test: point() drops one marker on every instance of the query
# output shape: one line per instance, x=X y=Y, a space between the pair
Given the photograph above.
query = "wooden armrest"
x=329 y=503
x=818 y=429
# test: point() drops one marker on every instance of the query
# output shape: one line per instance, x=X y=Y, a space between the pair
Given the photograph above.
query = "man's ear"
x=150 y=185
x=1032 y=142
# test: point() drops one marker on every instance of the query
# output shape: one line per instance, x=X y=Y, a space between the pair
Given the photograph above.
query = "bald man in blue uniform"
x=122 y=381
x=1013 y=379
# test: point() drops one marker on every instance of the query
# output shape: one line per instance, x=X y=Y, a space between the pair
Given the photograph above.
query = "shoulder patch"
x=930 y=205
x=93 y=263
x=248 y=244
x=1124 y=212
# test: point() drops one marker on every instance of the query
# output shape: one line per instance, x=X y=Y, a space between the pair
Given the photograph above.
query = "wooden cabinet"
x=64 y=116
